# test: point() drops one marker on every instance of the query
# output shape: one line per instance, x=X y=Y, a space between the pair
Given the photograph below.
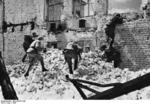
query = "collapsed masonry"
x=48 y=14
x=74 y=15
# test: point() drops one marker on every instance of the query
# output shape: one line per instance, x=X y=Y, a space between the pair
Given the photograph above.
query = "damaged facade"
x=73 y=15
x=80 y=17
x=50 y=14
x=76 y=13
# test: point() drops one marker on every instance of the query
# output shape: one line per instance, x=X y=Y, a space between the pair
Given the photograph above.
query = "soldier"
x=34 y=54
x=103 y=48
x=111 y=54
x=72 y=51
x=110 y=28
x=27 y=42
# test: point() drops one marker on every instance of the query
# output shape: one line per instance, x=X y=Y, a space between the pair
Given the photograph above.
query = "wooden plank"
x=88 y=88
x=77 y=86
x=125 y=88
x=8 y=90
x=79 y=90
x=97 y=84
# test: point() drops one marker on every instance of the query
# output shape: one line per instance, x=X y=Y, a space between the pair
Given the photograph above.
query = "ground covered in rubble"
x=53 y=84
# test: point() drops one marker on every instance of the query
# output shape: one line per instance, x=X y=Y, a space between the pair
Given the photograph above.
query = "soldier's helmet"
x=40 y=38
x=34 y=34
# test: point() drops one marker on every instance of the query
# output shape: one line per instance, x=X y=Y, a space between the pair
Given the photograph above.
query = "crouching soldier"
x=110 y=28
x=34 y=54
x=72 y=51
x=28 y=39
x=111 y=54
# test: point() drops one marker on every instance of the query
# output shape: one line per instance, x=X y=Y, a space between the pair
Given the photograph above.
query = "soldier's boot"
x=43 y=68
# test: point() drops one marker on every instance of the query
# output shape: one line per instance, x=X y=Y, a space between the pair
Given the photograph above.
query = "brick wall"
x=133 y=37
x=134 y=40
x=73 y=23
x=20 y=11
x=99 y=7
x=17 y=11
x=13 y=47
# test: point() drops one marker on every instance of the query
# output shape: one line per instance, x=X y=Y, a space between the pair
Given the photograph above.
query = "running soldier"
x=72 y=51
x=34 y=54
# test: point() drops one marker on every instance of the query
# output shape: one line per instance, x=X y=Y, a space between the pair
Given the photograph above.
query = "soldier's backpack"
x=27 y=42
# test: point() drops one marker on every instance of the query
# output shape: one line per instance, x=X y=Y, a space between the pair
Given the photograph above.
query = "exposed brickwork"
x=19 y=11
x=134 y=39
x=100 y=8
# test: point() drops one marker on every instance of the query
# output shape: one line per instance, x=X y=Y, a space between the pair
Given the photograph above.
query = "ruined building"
x=73 y=15
x=133 y=37
x=76 y=13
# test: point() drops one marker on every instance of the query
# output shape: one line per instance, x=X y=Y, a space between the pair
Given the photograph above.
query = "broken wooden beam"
x=125 y=88
x=77 y=86
x=88 y=88
x=97 y=84
x=8 y=90
x=79 y=90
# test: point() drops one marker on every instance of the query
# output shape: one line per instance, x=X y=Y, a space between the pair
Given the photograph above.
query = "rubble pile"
x=53 y=84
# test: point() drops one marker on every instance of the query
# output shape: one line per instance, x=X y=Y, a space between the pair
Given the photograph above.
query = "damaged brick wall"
x=13 y=47
x=134 y=39
x=20 y=11
x=99 y=9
